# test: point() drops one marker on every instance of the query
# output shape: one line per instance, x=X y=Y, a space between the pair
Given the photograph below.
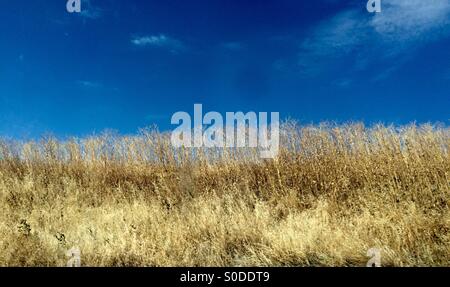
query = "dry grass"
x=333 y=192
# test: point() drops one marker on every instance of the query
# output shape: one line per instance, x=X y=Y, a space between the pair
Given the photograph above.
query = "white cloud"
x=340 y=35
x=402 y=25
x=406 y=20
x=343 y=83
x=344 y=34
x=89 y=11
x=159 y=41
x=89 y=84
x=150 y=40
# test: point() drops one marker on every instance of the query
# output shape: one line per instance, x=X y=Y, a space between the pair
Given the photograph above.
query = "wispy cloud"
x=90 y=11
x=93 y=86
x=89 y=84
x=343 y=83
x=160 y=41
x=412 y=20
x=402 y=25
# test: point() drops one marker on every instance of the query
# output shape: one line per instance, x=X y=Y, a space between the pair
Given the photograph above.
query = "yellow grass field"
x=333 y=192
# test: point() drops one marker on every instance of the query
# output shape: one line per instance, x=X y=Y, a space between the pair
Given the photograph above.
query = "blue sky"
x=124 y=65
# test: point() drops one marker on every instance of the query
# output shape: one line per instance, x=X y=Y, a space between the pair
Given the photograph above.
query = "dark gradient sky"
x=127 y=64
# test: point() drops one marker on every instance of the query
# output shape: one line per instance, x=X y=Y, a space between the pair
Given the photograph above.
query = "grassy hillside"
x=333 y=192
